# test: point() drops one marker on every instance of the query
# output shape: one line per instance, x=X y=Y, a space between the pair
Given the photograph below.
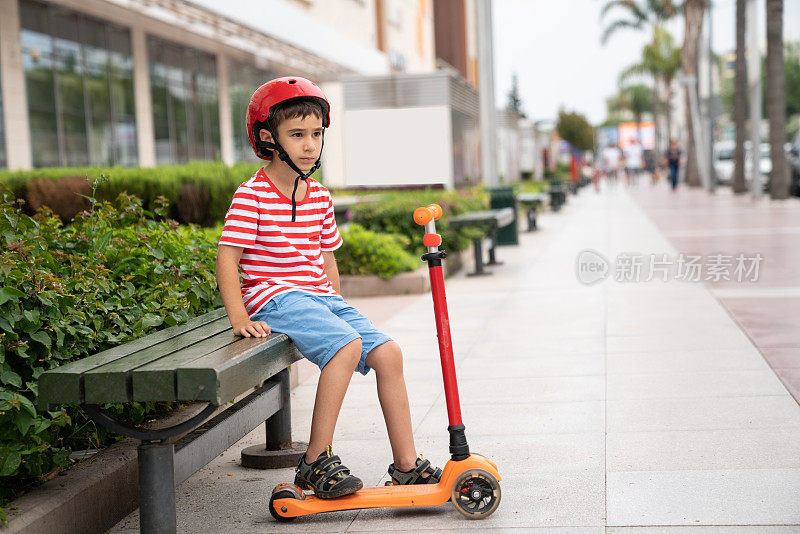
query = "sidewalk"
x=768 y=309
x=611 y=405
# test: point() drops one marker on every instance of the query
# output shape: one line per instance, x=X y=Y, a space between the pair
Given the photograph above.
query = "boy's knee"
x=386 y=358
x=350 y=352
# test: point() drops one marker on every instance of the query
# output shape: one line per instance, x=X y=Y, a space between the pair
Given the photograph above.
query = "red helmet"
x=280 y=91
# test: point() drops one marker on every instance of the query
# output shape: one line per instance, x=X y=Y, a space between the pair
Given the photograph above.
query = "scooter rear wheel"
x=284 y=491
x=476 y=493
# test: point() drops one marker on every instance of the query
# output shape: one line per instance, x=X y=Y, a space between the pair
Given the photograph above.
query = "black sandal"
x=414 y=476
x=326 y=476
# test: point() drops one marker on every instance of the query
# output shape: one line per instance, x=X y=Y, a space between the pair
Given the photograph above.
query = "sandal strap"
x=422 y=467
x=414 y=476
x=325 y=463
x=333 y=475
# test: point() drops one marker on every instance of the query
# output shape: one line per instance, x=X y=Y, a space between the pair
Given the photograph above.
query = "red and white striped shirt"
x=280 y=255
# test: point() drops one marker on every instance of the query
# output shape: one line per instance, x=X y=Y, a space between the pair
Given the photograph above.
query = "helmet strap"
x=284 y=157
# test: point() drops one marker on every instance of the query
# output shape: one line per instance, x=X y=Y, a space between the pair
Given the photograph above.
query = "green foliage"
x=117 y=273
x=198 y=192
x=537 y=186
x=393 y=215
x=791 y=61
x=514 y=101
x=367 y=252
x=575 y=129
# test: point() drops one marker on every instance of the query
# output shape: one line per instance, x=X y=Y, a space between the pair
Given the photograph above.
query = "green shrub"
x=367 y=252
x=115 y=274
x=198 y=192
x=535 y=186
x=393 y=215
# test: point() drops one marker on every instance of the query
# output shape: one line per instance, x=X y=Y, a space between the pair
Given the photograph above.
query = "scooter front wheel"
x=476 y=493
x=284 y=491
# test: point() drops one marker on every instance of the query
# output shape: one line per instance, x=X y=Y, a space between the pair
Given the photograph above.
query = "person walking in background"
x=673 y=158
x=633 y=161
x=611 y=162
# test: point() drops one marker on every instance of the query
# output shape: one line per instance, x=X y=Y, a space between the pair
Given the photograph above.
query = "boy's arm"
x=228 y=281
x=331 y=270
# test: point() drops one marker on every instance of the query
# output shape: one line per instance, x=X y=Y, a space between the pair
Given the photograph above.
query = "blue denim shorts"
x=320 y=325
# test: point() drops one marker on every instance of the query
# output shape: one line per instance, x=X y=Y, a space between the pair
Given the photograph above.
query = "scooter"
x=469 y=480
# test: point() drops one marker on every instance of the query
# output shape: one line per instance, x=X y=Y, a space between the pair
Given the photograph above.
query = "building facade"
x=124 y=82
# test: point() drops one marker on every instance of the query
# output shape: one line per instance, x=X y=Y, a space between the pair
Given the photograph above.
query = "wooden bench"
x=532 y=201
x=200 y=361
x=490 y=220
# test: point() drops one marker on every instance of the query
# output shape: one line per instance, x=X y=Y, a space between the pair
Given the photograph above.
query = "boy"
x=281 y=231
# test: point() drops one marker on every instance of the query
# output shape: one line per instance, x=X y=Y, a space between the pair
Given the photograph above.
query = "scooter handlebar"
x=423 y=216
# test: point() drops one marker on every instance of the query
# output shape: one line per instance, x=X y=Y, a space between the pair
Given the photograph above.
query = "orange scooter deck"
x=389 y=496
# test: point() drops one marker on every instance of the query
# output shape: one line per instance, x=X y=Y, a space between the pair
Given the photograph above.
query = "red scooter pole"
x=459 y=449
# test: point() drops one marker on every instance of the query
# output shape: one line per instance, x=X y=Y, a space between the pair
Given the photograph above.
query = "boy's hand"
x=252 y=328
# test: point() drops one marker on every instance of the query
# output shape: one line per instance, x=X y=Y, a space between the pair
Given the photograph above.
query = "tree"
x=693 y=11
x=776 y=101
x=636 y=15
x=791 y=60
x=661 y=60
x=649 y=14
x=573 y=128
x=638 y=99
x=740 y=100
x=514 y=101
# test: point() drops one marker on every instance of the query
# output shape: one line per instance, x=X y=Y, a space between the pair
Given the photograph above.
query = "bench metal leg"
x=492 y=249
x=477 y=247
x=532 y=219
x=279 y=450
x=156 y=487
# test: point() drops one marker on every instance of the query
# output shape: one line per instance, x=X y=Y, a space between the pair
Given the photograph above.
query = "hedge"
x=393 y=215
x=70 y=291
x=367 y=252
x=362 y=251
x=198 y=192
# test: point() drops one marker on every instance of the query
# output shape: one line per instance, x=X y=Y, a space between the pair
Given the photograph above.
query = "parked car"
x=723 y=162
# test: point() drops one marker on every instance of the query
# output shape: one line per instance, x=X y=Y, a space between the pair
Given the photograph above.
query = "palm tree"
x=693 y=11
x=776 y=101
x=636 y=15
x=639 y=100
x=661 y=60
x=740 y=101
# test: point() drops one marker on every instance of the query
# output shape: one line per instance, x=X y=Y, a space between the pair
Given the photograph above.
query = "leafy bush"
x=535 y=186
x=198 y=192
x=393 y=215
x=367 y=252
x=117 y=273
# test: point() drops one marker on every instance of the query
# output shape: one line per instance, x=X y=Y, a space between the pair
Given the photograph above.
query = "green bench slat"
x=63 y=385
x=532 y=198
x=499 y=217
x=220 y=376
x=109 y=382
x=155 y=381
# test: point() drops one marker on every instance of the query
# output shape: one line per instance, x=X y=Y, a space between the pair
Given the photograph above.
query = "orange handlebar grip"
x=437 y=211
x=431 y=240
x=422 y=216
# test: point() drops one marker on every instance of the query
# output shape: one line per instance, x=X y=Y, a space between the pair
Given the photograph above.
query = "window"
x=78 y=74
x=183 y=85
x=244 y=80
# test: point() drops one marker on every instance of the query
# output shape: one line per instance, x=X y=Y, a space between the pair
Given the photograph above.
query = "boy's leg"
x=333 y=381
x=387 y=361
